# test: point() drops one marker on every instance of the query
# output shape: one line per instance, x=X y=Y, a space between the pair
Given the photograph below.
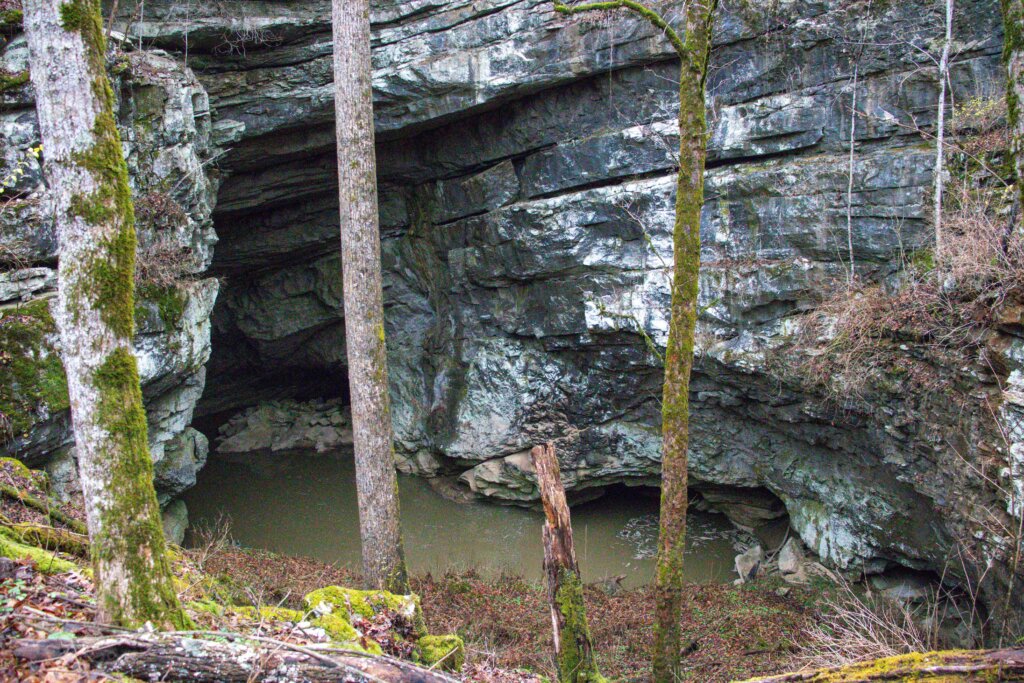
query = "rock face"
x=526 y=169
x=165 y=126
x=272 y=426
x=526 y=165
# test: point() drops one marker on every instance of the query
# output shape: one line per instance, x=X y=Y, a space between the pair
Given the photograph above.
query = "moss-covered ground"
x=46 y=590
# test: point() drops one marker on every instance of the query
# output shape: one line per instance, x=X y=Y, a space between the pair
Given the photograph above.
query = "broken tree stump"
x=574 y=651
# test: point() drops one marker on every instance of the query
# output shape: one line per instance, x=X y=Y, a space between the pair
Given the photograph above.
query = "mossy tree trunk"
x=574 y=651
x=376 y=481
x=88 y=183
x=1013 y=58
x=693 y=49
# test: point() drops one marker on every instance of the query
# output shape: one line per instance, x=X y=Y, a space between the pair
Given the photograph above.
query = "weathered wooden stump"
x=574 y=651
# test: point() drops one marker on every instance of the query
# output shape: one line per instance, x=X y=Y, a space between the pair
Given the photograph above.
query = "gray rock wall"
x=526 y=167
x=165 y=126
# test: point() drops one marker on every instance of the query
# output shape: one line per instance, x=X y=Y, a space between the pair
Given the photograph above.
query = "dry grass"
x=980 y=125
x=854 y=628
x=161 y=260
x=944 y=305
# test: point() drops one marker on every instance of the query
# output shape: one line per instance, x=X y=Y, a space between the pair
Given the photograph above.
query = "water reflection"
x=306 y=505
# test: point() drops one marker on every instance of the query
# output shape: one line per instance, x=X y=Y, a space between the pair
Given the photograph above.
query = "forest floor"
x=730 y=632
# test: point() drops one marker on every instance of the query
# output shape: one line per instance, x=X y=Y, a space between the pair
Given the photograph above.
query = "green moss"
x=909 y=667
x=206 y=607
x=11 y=21
x=110 y=273
x=13 y=81
x=45 y=561
x=575 y=659
x=170 y=302
x=448 y=652
x=32 y=381
x=922 y=260
x=18 y=468
x=133 y=533
x=51 y=538
x=337 y=628
x=120 y=402
x=369 y=603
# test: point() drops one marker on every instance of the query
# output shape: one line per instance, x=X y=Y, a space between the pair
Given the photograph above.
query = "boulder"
x=748 y=563
x=791 y=557
x=175 y=521
x=318 y=426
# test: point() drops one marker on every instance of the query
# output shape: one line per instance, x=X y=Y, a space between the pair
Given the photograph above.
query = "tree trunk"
x=95 y=308
x=376 y=481
x=694 y=53
x=1013 y=58
x=574 y=652
x=960 y=666
x=675 y=412
x=940 y=128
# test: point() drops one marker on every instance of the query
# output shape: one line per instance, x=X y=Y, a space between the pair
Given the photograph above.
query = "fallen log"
x=953 y=666
x=574 y=651
x=48 y=507
x=50 y=537
x=246 y=659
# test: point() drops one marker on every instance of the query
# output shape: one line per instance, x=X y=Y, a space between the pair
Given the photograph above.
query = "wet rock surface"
x=526 y=168
x=319 y=426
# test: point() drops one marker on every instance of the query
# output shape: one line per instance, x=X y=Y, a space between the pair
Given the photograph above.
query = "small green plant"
x=20 y=168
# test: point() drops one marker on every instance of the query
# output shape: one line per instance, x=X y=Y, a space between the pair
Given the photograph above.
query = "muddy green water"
x=306 y=505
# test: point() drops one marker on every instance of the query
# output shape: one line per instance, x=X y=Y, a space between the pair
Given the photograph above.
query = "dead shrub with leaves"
x=161 y=261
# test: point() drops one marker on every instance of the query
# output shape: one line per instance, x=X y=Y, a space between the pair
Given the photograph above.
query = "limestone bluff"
x=526 y=169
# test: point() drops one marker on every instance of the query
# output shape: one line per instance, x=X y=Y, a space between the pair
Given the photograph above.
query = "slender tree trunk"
x=574 y=651
x=376 y=481
x=694 y=53
x=1013 y=58
x=679 y=353
x=940 y=127
x=95 y=308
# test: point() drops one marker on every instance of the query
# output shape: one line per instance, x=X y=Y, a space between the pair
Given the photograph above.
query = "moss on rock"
x=170 y=301
x=11 y=21
x=368 y=603
x=32 y=381
x=337 y=628
x=447 y=652
x=13 y=81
